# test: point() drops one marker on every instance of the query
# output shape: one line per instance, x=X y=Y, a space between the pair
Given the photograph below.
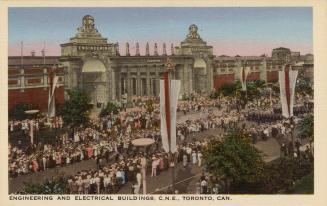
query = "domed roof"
x=93 y=65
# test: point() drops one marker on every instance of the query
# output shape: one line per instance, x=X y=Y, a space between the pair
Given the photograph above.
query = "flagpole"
x=167 y=83
x=21 y=55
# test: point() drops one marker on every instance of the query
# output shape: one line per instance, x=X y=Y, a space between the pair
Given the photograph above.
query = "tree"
x=236 y=160
x=304 y=86
x=55 y=185
x=281 y=175
x=18 y=111
x=306 y=127
x=75 y=110
x=110 y=108
x=254 y=89
x=230 y=89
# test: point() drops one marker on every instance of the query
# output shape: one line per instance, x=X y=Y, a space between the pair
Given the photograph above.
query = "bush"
x=110 y=108
x=281 y=175
x=75 y=110
x=55 y=185
x=18 y=111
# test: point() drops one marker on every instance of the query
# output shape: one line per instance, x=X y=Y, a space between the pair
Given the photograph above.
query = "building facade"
x=90 y=62
x=29 y=80
x=95 y=65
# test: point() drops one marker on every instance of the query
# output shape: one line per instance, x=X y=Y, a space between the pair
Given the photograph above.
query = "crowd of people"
x=107 y=140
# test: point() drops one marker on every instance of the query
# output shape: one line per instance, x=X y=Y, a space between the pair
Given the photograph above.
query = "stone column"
x=22 y=79
x=113 y=85
x=157 y=81
x=128 y=86
x=148 y=88
x=190 y=69
x=210 y=76
x=118 y=85
x=45 y=77
x=138 y=83
x=263 y=70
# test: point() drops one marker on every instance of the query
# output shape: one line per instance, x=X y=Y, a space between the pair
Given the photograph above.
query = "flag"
x=174 y=93
x=243 y=76
x=287 y=81
x=168 y=122
x=51 y=101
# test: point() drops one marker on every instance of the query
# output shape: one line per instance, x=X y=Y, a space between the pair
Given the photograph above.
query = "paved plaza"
x=185 y=178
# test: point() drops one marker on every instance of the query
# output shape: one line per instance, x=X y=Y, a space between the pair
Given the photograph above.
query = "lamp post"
x=143 y=142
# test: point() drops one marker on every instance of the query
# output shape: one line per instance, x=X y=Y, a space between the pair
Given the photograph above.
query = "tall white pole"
x=143 y=163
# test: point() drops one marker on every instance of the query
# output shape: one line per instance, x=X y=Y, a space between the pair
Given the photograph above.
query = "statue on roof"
x=193 y=32
x=88 y=25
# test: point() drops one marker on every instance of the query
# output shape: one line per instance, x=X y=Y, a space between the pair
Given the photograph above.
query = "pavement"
x=185 y=178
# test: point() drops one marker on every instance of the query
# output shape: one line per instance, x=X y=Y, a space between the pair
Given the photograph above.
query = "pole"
x=167 y=108
x=21 y=55
x=50 y=89
x=172 y=172
x=292 y=133
x=143 y=163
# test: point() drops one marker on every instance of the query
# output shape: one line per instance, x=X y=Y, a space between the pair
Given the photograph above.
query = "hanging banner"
x=51 y=104
x=174 y=93
x=244 y=71
x=163 y=122
x=169 y=124
x=287 y=82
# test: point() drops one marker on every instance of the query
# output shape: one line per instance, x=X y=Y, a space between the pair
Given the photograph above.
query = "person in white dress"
x=199 y=159
x=194 y=159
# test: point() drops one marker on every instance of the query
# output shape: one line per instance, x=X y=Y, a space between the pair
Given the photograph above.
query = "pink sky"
x=231 y=48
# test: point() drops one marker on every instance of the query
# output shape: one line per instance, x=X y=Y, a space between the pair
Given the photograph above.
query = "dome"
x=93 y=65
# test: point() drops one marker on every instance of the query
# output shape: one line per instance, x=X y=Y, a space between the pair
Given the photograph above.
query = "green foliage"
x=304 y=87
x=306 y=127
x=214 y=95
x=75 y=111
x=149 y=106
x=254 y=89
x=56 y=185
x=229 y=89
x=110 y=108
x=235 y=159
x=18 y=111
x=281 y=175
x=304 y=186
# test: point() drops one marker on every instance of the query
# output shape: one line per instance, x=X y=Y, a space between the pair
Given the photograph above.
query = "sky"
x=231 y=31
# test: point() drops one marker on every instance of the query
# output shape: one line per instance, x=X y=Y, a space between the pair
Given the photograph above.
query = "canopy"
x=142 y=142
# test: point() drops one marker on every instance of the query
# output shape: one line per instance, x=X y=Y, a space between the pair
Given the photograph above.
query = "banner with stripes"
x=169 y=91
x=51 y=101
x=244 y=71
x=287 y=82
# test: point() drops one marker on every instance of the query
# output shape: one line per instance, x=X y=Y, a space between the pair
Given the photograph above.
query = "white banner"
x=163 y=125
x=243 y=76
x=287 y=82
x=173 y=97
x=174 y=93
x=51 y=104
